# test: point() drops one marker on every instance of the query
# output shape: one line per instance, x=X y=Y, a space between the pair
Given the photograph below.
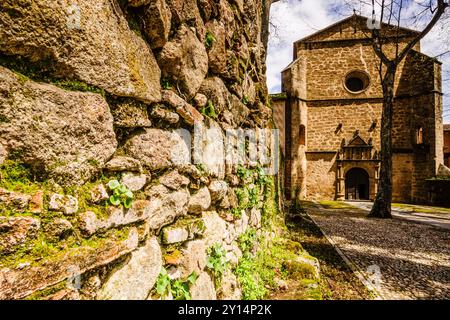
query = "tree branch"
x=439 y=12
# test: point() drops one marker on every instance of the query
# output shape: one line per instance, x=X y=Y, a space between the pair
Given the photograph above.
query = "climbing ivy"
x=179 y=288
x=217 y=262
x=121 y=194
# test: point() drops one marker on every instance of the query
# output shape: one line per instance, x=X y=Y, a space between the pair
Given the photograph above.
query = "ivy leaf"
x=113 y=184
x=129 y=194
x=127 y=203
x=122 y=189
x=192 y=277
x=114 y=200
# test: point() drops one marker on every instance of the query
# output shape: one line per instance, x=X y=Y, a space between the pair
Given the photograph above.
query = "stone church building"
x=329 y=116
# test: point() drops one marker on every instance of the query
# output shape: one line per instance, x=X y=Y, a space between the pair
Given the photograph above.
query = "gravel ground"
x=413 y=259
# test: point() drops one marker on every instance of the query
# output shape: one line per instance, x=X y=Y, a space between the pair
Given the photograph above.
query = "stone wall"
x=99 y=195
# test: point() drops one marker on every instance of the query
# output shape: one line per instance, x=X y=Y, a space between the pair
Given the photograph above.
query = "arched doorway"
x=357 y=184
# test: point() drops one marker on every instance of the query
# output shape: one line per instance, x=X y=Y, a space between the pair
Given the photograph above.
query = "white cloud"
x=296 y=19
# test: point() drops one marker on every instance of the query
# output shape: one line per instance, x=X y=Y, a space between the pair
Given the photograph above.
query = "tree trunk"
x=382 y=206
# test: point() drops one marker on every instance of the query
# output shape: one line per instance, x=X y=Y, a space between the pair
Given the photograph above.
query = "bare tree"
x=391 y=12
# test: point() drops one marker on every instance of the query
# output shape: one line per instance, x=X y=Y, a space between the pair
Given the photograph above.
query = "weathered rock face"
x=157 y=24
x=158 y=149
x=63 y=203
x=15 y=231
x=67 y=135
x=200 y=201
x=17 y=283
x=135 y=279
x=217 y=53
x=174 y=180
x=203 y=288
x=111 y=159
x=165 y=206
x=90 y=223
x=82 y=41
x=187 y=11
x=129 y=115
x=209 y=148
x=184 y=59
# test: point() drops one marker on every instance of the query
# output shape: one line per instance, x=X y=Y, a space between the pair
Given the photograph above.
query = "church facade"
x=329 y=115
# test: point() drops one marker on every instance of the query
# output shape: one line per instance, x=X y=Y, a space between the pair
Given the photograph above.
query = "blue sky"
x=295 y=19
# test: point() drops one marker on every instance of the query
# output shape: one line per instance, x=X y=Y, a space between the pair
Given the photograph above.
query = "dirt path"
x=337 y=280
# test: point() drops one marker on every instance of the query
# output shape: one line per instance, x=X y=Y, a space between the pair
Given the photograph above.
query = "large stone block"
x=158 y=149
x=199 y=201
x=184 y=109
x=187 y=12
x=217 y=51
x=215 y=228
x=66 y=135
x=193 y=258
x=81 y=40
x=156 y=18
x=216 y=92
x=135 y=279
x=18 y=283
x=209 y=149
x=165 y=206
x=184 y=59
x=203 y=288
x=16 y=231
x=89 y=223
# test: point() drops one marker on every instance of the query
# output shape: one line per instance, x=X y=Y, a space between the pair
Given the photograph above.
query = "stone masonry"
x=332 y=133
x=99 y=193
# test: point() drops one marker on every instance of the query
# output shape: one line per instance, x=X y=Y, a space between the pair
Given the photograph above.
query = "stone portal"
x=357 y=184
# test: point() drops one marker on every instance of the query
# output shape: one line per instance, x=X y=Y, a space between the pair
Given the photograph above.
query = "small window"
x=419 y=135
x=357 y=82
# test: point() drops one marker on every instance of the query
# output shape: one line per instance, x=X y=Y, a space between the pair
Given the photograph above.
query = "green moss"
x=42 y=71
x=209 y=110
x=39 y=295
x=209 y=40
x=22 y=78
x=74 y=85
x=336 y=205
x=309 y=290
x=18 y=177
x=299 y=270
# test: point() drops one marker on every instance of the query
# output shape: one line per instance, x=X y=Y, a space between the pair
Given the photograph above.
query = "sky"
x=295 y=19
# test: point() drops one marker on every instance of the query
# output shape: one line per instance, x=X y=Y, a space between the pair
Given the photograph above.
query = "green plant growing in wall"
x=245 y=100
x=121 y=194
x=209 y=110
x=262 y=178
x=243 y=198
x=236 y=213
x=217 y=262
x=243 y=172
x=209 y=40
x=179 y=288
x=247 y=240
x=253 y=196
x=163 y=283
x=165 y=84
